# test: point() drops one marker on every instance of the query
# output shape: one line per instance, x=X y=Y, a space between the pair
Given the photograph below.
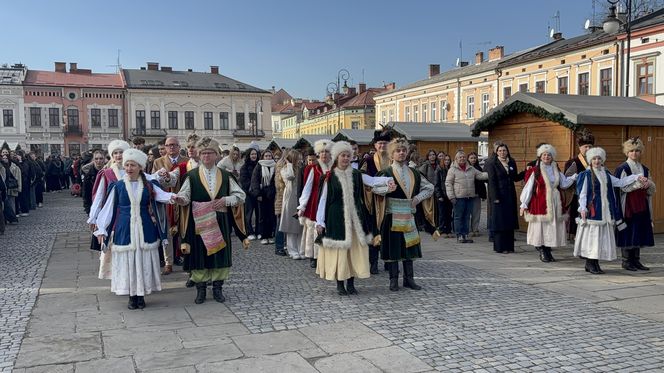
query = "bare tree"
x=640 y=8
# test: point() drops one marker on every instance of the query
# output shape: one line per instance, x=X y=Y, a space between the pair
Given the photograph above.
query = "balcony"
x=73 y=130
x=248 y=133
x=149 y=132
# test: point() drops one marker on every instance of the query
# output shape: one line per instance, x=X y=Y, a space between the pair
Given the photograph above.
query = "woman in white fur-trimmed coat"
x=343 y=218
x=541 y=203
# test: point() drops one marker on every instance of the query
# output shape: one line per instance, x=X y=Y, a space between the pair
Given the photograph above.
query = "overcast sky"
x=296 y=45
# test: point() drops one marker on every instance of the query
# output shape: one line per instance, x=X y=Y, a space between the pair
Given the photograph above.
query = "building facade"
x=69 y=112
x=163 y=102
x=12 y=121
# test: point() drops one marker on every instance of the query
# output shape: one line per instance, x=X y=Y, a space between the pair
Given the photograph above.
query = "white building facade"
x=12 y=112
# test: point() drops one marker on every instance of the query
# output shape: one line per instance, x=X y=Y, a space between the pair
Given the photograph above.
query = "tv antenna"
x=117 y=65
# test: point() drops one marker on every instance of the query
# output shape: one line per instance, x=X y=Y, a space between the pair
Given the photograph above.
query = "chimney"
x=142 y=67
x=60 y=67
x=214 y=70
x=362 y=87
x=351 y=91
x=167 y=68
x=190 y=70
x=558 y=36
x=390 y=86
x=153 y=66
x=496 y=53
x=479 y=57
x=434 y=70
x=463 y=63
x=73 y=66
x=273 y=91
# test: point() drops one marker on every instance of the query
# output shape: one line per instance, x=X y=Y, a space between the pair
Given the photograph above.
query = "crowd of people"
x=152 y=208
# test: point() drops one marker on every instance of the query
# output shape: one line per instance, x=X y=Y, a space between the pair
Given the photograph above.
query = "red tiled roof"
x=312 y=105
x=52 y=78
x=363 y=99
x=280 y=96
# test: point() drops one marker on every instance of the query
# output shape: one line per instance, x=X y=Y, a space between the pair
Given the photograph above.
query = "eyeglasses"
x=172 y=145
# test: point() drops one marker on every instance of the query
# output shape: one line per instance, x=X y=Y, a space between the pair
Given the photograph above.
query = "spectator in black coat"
x=444 y=204
x=263 y=189
x=27 y=177
x=251 y=203
x=503 y=214
x=480 y=189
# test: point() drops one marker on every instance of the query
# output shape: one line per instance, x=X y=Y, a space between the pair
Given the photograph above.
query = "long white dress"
x=596 y=239
x=135 y=270
x=547 y=230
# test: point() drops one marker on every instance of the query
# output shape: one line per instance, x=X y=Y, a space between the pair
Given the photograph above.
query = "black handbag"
x=11 y=182
x=94 y=244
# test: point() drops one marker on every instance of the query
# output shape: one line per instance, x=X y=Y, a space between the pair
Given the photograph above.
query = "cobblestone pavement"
x=24 y=252
x=478 y=311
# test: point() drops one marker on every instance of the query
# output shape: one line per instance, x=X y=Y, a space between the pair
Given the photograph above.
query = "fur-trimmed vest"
x=546 y=193
x=345 y=211
x=601 y=205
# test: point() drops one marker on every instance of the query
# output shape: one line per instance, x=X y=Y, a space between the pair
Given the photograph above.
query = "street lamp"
x=612 y=24
x=333 y=88
x=258 y=109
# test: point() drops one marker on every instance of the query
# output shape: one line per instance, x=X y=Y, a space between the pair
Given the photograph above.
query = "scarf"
x=267 y=171
x=324 y=166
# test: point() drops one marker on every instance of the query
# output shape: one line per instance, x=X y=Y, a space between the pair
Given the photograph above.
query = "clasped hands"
x=645 y=183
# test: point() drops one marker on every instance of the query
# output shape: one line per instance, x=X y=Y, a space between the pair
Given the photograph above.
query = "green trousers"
x=210 y=274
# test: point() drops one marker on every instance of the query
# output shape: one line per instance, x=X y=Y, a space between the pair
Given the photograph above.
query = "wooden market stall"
x=447 y=137
x=363 y=138
x=527 y=119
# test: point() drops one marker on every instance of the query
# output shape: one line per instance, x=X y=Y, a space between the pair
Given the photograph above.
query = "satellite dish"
x=553 y=31
x=458 y=60
x=587 y=24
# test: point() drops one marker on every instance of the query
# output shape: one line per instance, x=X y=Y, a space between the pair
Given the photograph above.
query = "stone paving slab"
x=394 y=360
x=59 y=349
x=186 y=357
x=283 y=363
x=123 y=364
x=128 y=342
x=347 y=336
x=346 y=362
x=273 y=343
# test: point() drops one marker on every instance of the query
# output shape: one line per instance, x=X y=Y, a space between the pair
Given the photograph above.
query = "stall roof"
x=282 y=143
x=362 y=137
x=574 y=111
x=418 y=131
x=262 y=145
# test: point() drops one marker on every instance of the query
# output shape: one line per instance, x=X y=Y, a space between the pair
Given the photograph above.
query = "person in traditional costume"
x=216 y=201
x=585 y=141
x=342 y=219
x=599 y=211
x=371 y=166
x=395 y=215
x=263 y=189
x=289 y=224
x=636 y=206
x=161 y=166
x=308 y=206
x=542 y=204
x=132 y=224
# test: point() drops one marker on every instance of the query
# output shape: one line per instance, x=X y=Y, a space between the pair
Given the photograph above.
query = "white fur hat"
x=546 y=148
x=340 y=147
x=117 y=145
x=321 y=145
x=596 y=152
x=135 y=155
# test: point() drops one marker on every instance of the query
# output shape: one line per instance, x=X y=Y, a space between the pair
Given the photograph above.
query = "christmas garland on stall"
x=517 y=107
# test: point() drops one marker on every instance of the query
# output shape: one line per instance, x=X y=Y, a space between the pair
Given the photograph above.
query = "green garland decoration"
x=517 y=107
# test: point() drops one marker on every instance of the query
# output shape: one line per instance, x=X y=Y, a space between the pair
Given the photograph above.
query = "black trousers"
x=23 y=200
x=267 y=218
x=39 y=191
x=503 y=241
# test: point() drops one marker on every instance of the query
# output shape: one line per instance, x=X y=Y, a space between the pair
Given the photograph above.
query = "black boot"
x=201 y=288
x=341 y=290
x=313 y=263
x=140 y=302
x=637 y=259
x=589 y=265
x=132 y=305
x=627 y=258
x=547 y=253
x=394 y=275
x=597 y=267
x=190 y=283
x=373 y=260
x=592 y=266
x=350 y=286
x=408 y=273
x=216 y=291
x=542 y=254
x=467 y=240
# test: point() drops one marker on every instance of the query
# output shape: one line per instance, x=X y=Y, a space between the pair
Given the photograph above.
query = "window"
x=470 y=107
x=189 y=120
x=562 y=85
x=407 y=118
x=540 y=87
x=485 y=103
x=644 y=78
x=207 y=120
x=74 y=149
x=355 y=125
x=223 y=120
x=72 y=118
x=239 y=121
x=584 y=84
x=113 y=118
x=54 y=117
x=433 y=111
x=507 y=92
x=8 y=117
x=253 y=120
x=140 y=119
x=424 y=112
x=523 y=87
x=155 y=119
x=35 y=117
x=443 y=111
x=55 y=148
x=95 y=117
x=383 y=117
x=172 y=120
x=415 y=112
x=391 y=116
x=605 y=82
